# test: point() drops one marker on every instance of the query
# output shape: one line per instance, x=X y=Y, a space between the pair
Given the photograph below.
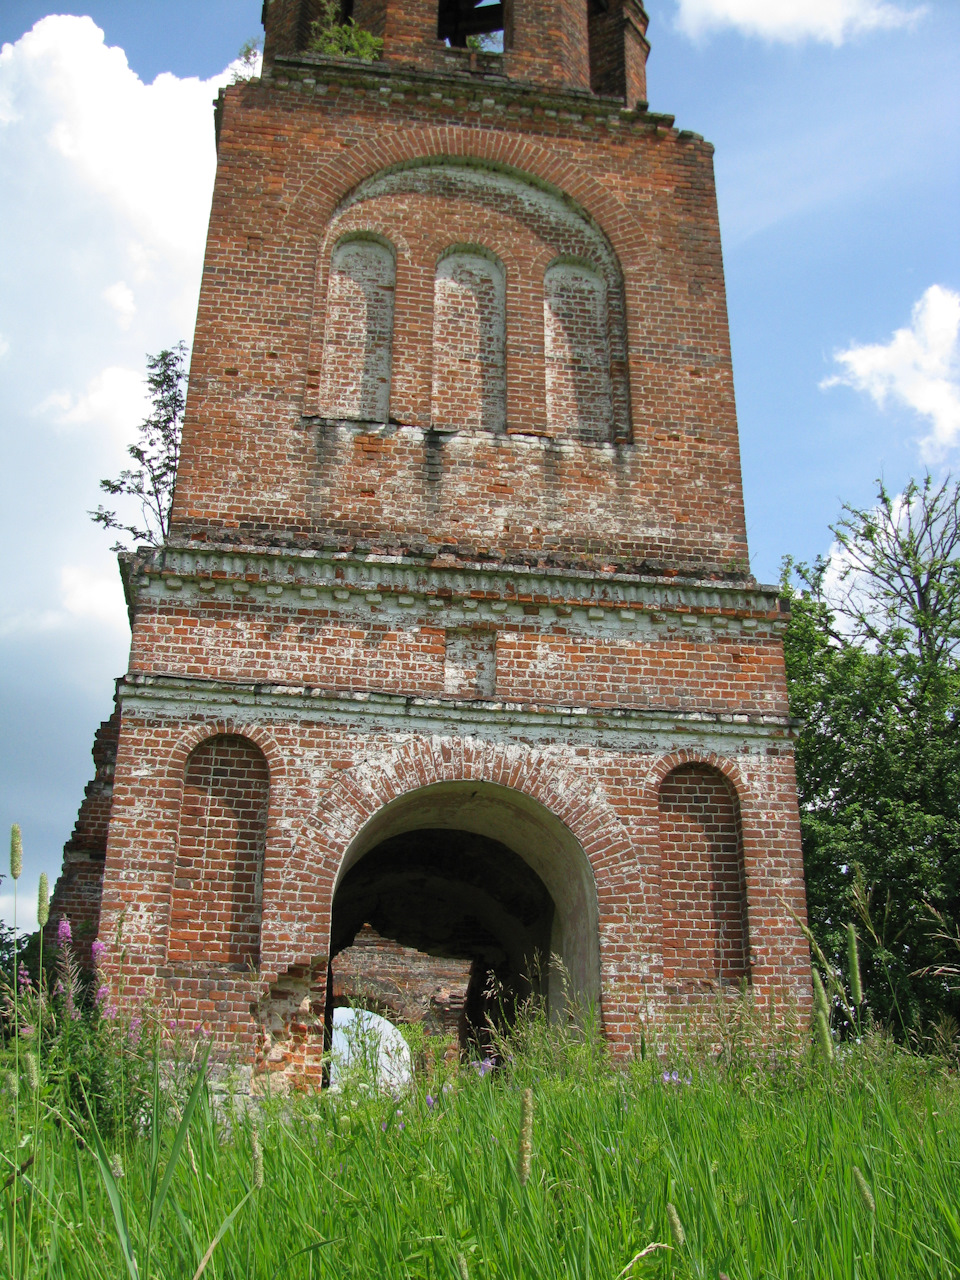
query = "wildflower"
x=401 y=1125
x=486 y=1066
x=447 y=1087
x=16 y=852
x=863 y=1190
x=853 y=963
x=43 y=900
x=33 y=1073
x=97 y=949
x=23 y=978
x=116 y=1165
x=110 y=1012
x=64 y=932
x=676 y=1226
x=525 y=1145
x=102 y=993
x=383 y=1126
x=133 y=1033
x=431 y=1101
x=257 y=1161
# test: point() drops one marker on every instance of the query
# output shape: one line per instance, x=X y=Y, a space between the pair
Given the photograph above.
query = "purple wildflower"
x=401 y=1125
x=102 y=993
x=64 y=933
x=110 y=1012
x=98 y=948
x=384 y=1126
x=23 y=978
x=486 y=1066
x=431 y=1101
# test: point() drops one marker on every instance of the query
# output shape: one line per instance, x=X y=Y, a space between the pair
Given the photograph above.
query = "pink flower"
x=64 y=933
x=102 y=993
x=98 y=949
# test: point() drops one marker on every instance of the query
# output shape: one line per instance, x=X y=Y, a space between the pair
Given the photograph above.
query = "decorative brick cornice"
x=345 y=579
x=241 y=703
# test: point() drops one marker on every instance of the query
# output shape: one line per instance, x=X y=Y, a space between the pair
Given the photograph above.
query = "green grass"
x=759 y=1164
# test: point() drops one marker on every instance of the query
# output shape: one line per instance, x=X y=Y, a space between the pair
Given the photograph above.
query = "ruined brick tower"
x=455 y=635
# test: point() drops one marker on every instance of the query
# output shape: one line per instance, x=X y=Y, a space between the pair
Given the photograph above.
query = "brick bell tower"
x=455 y=636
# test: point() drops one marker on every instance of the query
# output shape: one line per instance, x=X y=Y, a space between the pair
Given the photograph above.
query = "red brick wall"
x=702 y=887
x=469 y=330
x=359 y=332
x=292 y=162
x=403 y=984
x=216 y=893
x=76 y=894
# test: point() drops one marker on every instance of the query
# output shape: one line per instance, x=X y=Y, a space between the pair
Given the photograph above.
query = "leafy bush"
x=342 y=39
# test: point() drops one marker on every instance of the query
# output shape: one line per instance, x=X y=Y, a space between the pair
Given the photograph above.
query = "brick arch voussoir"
x=576 y=801
x=319 y=197
x=197 y=734
x=691 y=755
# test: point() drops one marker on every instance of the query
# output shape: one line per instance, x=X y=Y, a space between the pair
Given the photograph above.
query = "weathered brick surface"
x=401 y=983
x=458 y=571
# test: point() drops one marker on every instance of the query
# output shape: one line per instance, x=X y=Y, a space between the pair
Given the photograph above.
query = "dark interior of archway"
x=460 y=896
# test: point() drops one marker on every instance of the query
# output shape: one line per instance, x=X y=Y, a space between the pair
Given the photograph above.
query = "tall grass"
x=688 y=1164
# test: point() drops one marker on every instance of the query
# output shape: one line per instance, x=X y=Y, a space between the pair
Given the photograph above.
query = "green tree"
x=872 y=655
x=150 y=483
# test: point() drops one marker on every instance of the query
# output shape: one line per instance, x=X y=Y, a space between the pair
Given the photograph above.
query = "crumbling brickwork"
x=455 y=635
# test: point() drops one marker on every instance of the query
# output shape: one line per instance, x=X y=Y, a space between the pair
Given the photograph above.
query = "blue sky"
x=837 y=128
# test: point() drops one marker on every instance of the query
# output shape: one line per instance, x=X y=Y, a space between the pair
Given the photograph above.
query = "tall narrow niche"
x=358 y=334
x=577 y=353
x=469 y=330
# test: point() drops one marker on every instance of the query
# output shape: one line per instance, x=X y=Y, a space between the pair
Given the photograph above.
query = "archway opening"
x=470 y=878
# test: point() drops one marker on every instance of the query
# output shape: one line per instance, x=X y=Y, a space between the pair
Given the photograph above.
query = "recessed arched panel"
x=358 y=335
x=577 y=353
x=216 y=900
x=469 y=329
x=702 y=883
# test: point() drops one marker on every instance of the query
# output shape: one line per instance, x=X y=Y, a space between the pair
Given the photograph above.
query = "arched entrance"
x=478 y=872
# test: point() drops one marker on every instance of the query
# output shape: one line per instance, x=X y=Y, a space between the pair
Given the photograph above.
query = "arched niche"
x=358 y=333
x=502 y=856
x=702 y=882
x=576 y=344
x=469 y=334
x=215 y=903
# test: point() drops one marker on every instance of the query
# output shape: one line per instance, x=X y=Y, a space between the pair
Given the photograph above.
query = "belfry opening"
x=470 y=896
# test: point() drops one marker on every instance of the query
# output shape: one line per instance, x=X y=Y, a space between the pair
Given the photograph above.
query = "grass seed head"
x=820 y=1001
x=116 y=1165
x=462 y=1267
x=257 y=1160
x=32 y=1072
x=676 y=1226
x=824 y=1038
x=525 y=1147
x=853 y=963
x=43 y=900
x=16 y=851
x=864 y=1192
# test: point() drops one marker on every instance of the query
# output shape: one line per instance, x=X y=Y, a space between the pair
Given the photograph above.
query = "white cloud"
x=115 y=402
x=831 y=21
x=139 y=146
x=91 y=593
x=919 y=368
x=120 y=297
